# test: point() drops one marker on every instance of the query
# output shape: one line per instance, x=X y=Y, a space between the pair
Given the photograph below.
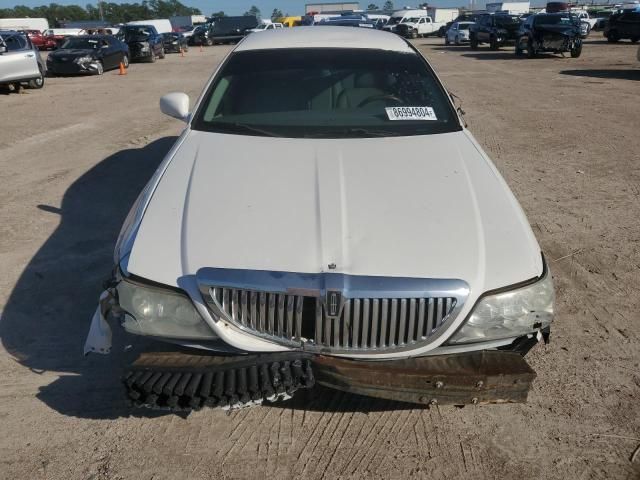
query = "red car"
x=42 y=42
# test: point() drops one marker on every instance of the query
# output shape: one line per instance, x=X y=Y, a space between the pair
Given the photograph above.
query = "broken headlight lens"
x=160 y=313
x=514 y=313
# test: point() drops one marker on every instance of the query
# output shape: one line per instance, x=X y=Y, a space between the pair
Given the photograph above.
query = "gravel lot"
x=73 y=158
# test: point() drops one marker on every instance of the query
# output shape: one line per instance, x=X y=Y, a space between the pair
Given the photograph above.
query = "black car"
x=224 y=30
x=623 y=25
x=174 y=42
x=495 y=29
x=200 y=35
x=550 y=32
x=145 y=43
x=88 y=54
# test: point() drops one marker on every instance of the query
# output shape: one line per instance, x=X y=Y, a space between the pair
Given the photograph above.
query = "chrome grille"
x=379 y=324
x=273 y=315
x=364 y=324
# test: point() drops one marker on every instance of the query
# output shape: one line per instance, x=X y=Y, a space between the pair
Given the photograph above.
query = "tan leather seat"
x=366 y=85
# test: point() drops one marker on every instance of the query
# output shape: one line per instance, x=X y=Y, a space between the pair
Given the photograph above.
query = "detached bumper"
x=183 y=381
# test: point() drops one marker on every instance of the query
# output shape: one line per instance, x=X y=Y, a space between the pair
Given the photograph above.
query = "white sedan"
x=458 y=33
x=325 y=200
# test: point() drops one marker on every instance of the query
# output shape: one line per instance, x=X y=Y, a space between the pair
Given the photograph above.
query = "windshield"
x=553 y=20
x=134 y=33
x=506 y=20
x=463 y=26
x=326 y=93
x=394 y=20
x=81 y=43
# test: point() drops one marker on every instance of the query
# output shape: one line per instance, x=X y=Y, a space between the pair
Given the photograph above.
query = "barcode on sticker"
x=411 y=113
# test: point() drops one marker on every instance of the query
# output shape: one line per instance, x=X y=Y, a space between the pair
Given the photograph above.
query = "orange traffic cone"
x=123 y=71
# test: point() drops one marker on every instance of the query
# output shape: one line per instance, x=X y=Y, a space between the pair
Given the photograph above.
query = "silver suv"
x=20 y=61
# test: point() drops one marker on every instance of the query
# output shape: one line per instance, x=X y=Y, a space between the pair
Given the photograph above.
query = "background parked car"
x=458 y=33
x=56 y=36
x=266 y=26
x=88 y=54
x=39 y=40
x=174 y=42
x=144 y=41
x=20 y=61
x=496 y=30
x=551 y=32
x=623 y=25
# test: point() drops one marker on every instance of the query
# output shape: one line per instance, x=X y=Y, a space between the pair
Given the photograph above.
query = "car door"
x=19 y=61
x=451 y=33
x=483 y=28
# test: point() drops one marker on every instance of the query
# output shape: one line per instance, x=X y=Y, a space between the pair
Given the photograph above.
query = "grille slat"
x=363 y=324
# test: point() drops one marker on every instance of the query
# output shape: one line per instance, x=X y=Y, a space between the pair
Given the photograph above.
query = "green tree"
x=277 y=13
x=372 y=6
x=255 y=11
x=388 y=5
x=218 y=14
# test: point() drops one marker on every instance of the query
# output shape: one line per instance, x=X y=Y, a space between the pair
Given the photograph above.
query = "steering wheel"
x=375 y=98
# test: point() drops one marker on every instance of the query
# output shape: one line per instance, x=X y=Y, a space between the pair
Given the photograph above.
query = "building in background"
x=332 y=7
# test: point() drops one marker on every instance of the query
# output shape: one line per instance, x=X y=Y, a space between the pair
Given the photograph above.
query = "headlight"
x=509 y=314
x=85 y=59
x=161 y=313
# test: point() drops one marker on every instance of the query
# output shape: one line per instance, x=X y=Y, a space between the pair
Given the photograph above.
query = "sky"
x=237 y=7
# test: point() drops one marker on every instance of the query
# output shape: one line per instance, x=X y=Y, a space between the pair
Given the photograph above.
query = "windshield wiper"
x=248 y=128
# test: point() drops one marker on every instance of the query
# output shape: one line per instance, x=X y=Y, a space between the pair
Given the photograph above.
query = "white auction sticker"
x=411 y=113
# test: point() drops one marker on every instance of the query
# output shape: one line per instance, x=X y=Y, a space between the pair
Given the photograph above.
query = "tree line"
x=108 y=11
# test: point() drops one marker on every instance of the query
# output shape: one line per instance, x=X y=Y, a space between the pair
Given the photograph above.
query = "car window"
x=506 y=20
x=326 y=93
x=463 y=26
x=15 y=42
x=81 y=43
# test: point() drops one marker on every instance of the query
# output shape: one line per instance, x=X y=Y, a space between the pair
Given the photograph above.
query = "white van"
x=401 y=16
x=40 y=24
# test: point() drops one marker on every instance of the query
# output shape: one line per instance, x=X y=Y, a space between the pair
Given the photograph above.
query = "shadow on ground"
x=46 y=318
x=631 y=74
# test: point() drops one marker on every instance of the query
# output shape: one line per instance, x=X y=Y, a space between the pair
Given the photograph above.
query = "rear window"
x=326 y=93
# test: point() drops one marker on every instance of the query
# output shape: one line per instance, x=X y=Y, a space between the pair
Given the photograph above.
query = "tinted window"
x=506 y=20
x=325 y=93
x=463 y=26
x=15 y=42
x=560 y=19
x=82 y=43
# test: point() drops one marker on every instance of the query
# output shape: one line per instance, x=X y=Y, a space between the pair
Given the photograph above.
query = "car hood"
x=73 y=52
x=425 y=206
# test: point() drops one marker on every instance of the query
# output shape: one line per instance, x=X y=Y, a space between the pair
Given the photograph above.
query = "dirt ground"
x=73 y=157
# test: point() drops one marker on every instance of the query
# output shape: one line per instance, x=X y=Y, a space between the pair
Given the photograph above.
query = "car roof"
x=325 y=37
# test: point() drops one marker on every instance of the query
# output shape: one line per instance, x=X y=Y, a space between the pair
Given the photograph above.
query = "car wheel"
x=185 y=48
x=153 y=57
x=473 y=43
x=576 y=50
x=37 y=82
x=414 y=34
x=162 y=54
x=125 y=60
x=519 y=51
x=99 y=68
x=446 y=40
x=531 y=51
x=456 y=40
x=208 y=42
x=612 y=37
x=493 y=43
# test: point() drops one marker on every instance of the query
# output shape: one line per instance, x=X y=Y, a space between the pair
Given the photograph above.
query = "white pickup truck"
x=415 y=27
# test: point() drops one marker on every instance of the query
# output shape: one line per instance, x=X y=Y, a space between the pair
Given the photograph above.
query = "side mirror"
x=176 y=105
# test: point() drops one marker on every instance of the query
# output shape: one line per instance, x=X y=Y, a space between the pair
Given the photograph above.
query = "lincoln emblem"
x=334 y=299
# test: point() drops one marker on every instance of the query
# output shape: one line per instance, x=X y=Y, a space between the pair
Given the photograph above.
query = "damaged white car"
x=325 y=217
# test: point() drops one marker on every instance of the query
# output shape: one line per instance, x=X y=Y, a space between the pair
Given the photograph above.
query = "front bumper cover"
x=174 y=380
